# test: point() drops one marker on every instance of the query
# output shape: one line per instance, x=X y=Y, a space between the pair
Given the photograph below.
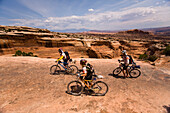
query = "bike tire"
x=73 y=69
x=55 y=70
x=134 y=73
x=73 y=89
x=117 y=71
x=96 y=88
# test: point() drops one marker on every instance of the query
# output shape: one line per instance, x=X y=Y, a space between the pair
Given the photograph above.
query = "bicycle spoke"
x=100 y=88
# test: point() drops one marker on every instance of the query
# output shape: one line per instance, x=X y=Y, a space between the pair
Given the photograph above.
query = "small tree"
x=167 y=51
x=143 y=56
x=152 y=58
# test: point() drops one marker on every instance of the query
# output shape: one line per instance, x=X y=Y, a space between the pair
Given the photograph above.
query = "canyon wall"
x=42 y=41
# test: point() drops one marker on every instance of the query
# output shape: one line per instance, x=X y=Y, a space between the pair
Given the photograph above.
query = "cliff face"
x=45 y=43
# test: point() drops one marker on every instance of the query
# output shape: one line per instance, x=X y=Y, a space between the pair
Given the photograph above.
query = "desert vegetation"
x=20 y=53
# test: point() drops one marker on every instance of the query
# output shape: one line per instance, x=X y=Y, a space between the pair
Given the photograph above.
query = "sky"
x=70 y=15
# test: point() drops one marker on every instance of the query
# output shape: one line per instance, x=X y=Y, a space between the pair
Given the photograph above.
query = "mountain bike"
x=98 y=88
x=69 y=69
x=133 y=70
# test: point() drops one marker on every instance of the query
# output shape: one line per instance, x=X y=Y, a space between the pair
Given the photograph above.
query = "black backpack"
x=90 y=69
x=67 y=55
x=130 y=59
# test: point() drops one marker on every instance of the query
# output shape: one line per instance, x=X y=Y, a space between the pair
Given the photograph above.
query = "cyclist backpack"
x=130 y=59
x=67 y=55
x=90 y=69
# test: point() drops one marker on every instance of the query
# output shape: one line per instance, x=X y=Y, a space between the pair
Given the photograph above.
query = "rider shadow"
x=117 y=76
x=85 y=92
x=61 y=72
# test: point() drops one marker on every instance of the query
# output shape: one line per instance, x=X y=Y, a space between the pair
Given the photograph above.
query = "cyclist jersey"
x=84 y=70
x=126 y=59
x=62 y=56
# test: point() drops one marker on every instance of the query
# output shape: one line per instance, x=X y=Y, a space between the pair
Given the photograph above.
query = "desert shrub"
x=152 y=58
x=143 y=56
x=167 y=51
x=24 y=54
x=146 y=57
x=20 y=53
x=30 y=54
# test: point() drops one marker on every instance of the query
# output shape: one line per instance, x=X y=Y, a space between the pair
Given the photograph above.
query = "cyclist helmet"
x=124 y=52
x=83 y=61
x=60 y=50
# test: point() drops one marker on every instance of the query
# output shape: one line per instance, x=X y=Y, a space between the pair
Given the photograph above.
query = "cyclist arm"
x=60 y=58
x=84 y=74
x=121 y=60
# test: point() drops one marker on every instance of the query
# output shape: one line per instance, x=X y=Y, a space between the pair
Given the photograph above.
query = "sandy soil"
x=26 y=86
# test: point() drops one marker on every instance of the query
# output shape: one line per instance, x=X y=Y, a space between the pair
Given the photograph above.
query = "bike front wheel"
x=134 y=73
x=75 y=88
x=55 y=70
x=117 y=71
x=100 y=88
x=72 y=69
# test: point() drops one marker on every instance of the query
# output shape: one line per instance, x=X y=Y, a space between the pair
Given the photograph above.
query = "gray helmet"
x=124 y=52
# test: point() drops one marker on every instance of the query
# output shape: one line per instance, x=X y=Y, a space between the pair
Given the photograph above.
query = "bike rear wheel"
x=75 y=88
x=117 y=71
x=55 y=70
x=72 y=69
x=134 y=73
x=100 y=88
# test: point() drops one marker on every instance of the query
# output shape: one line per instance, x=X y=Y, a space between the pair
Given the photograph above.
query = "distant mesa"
x=89 y=44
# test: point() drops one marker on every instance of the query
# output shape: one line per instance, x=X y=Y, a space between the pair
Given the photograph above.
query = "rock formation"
x=136 y=42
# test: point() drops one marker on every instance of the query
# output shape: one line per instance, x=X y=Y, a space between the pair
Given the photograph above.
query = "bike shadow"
x=85 y=92
x=64 y=72
x=118 y=76
x=61 y=72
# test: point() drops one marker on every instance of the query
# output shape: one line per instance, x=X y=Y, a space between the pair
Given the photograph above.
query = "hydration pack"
x=130 y=59
x=67 y=55
x=90 y=69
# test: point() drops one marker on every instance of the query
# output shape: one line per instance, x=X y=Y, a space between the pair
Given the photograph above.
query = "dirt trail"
x=26 y=86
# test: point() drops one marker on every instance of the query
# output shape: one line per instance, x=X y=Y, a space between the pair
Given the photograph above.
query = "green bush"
x=146 y=57
x=20 y=53
x=24 y=54
x=167 y=51
x=152 y=58
x=30 y=54
x=143 y=56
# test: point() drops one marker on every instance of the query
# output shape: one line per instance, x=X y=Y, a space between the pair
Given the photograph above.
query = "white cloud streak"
x=90 y=10
x=132 y=18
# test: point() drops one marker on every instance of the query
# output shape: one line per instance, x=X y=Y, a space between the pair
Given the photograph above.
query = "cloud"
x=90 y=10
x=110 y=20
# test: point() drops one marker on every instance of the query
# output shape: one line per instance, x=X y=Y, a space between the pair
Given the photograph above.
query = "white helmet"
x=124 y=52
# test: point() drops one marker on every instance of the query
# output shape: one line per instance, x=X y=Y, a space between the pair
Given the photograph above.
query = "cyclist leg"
x=65 y=63
x=127 y=72
x=124 y=68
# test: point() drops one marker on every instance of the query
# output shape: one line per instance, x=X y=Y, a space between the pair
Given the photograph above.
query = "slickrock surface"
x=26 y=86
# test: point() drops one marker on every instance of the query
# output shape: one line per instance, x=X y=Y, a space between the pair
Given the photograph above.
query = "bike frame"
x=84 y=82
x=130 y=67
x=62 y=65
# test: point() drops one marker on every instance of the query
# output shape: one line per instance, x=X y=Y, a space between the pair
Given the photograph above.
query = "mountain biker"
x=125 y=60
x=62 y=56
x=86 y=70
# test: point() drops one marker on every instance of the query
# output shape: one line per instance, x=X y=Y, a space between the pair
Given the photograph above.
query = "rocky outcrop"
x=136 y=42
